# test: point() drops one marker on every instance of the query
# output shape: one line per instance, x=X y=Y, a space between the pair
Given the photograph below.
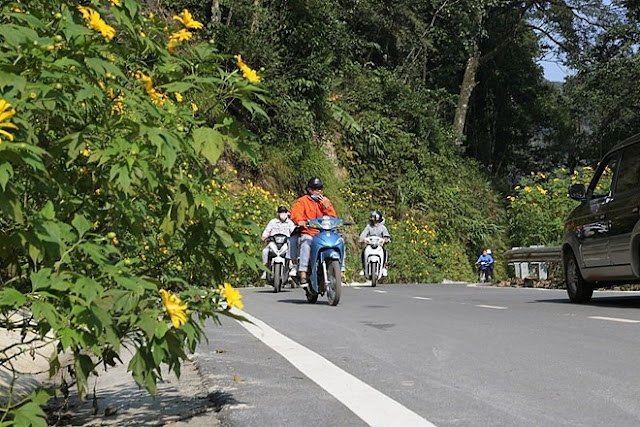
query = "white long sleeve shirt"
x=275 y=226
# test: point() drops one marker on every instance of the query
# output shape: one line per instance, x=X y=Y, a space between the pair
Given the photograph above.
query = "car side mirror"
x=577 y=192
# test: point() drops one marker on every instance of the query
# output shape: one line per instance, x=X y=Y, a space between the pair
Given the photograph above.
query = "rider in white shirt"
x=280 y=225
x=377 y=228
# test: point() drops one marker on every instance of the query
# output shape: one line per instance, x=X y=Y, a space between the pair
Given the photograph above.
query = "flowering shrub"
x=540 y=203
x=114 y=230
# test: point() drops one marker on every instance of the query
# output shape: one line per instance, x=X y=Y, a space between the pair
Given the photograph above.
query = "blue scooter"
x=327 y=253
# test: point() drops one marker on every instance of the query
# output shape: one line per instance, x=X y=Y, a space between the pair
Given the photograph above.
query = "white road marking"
x=495 y=307
x=423 y=298
x=372 y=406
x=380 y=292
x=614 y=319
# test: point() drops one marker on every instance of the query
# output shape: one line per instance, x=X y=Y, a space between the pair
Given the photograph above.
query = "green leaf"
x=101 y=67
x=48 y=211
x=44 y=310
x=177 y=86
x=10 y=297
x=88 y=289
x=15 y=35
x=81 y=224
x=6 y=172
x=30 y=414
x=208 y=142
x=41 y=279
x=83 y=367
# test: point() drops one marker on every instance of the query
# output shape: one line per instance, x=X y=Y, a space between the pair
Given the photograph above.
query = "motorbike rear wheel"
x=277 y=277
x=374 y=274
x=334 y=286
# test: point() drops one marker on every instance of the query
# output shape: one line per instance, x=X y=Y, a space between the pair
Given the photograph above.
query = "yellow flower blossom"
x=93 y=20
x=86 y=152
x=174 y=307
x=187 y=20
x=194 y=107
x=542 y=190
x=248 y=73
x=181 y=35
x=178 y=96
x=527 y=189
x=115 y=2
x=6 y=112
x=233 y=296
x=96 y=224
x=171 y=46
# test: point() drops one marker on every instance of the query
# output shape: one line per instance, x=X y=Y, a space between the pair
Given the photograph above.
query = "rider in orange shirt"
x=310 y=206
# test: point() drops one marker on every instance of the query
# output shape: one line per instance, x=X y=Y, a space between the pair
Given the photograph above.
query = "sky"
x=553 y=71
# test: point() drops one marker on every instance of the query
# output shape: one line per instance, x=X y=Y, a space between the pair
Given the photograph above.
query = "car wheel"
x=579 y=290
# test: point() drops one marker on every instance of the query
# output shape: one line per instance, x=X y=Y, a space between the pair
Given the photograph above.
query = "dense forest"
x=144 y=144
x=432 y=109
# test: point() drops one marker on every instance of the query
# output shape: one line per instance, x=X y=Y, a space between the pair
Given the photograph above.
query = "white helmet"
x=488 y=251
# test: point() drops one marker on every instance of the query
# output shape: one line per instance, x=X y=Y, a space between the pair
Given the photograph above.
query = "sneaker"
x=361 y=272
x=264 y=275
x=384 y=272
x=293 y=272
x=304 y=283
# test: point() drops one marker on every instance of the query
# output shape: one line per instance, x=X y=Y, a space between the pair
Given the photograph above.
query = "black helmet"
x=282 y=209
x=375 y=217
x=315 y=184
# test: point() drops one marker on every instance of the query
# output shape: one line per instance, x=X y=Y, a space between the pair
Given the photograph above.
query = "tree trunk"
x=254 y=19
x=215 y=12
x=466 y=88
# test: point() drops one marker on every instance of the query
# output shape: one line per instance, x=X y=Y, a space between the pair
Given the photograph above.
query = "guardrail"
x=534 y=254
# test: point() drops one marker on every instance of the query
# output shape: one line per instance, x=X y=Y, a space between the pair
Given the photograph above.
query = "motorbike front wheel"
x=374 y=274
x=277 y=277
x=482 y=276
x=334 y=286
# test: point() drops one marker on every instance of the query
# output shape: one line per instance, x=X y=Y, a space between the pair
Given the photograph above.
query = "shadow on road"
x=303 y=300
x=618 y=301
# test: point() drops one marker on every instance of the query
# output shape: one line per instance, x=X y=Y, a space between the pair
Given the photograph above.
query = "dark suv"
x=601 y=245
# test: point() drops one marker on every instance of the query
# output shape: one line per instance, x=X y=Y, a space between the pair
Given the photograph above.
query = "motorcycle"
x=374 y=258
x=484 y=271
x=327 y=253
x=278 y=266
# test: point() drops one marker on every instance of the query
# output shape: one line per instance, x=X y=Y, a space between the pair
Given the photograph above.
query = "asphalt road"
x=455 y=355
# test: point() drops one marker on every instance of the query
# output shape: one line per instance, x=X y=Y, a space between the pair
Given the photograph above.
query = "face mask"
x=283 y=217
x=315 y=197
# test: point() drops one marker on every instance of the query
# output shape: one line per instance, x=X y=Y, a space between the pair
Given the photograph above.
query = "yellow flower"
x=233 y=297
x=171 y=46
x=142 y=34
x=93 y=20
x=194 y=107
x=175 y=308
x=6 y=112
x=527 y=189
x=115 y=2
x=542 y=190
x=181 y=35
x=178 y=96
x=96 y=224
x=247 y=72
x=187 y=20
